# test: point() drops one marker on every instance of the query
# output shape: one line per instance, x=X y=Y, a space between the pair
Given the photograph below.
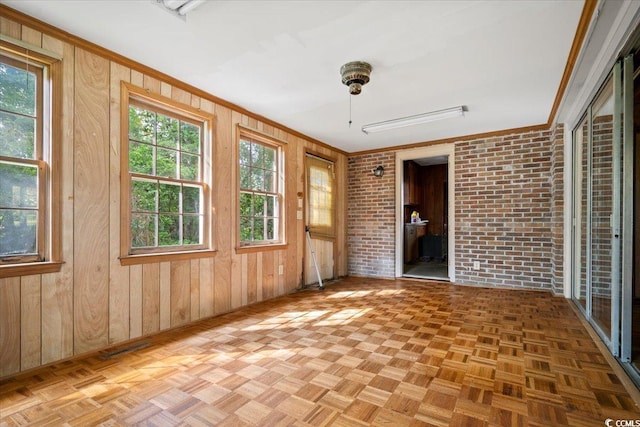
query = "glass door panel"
x=581 y=174
x=602 y=182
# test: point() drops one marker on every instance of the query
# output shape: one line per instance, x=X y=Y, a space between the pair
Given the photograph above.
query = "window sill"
x=260 y=248
x=28 y=269
x=173 y=256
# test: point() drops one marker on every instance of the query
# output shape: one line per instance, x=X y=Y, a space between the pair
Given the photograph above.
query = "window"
x=28 y=222
x=321 y=207
x=261 y=190
x=168 y=181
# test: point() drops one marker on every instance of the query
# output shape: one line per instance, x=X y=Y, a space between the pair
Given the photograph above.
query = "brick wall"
x=508 y=209
x=503 y=211
x=371 y=216
x=557 y=208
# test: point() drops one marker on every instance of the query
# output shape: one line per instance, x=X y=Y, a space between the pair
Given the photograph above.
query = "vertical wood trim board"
x=9 y=326
x=121 y=296
x=135 y=315
x=31 y=334
x=180 y=305
x=164 y=296
x=91 y=210
x=150 y=298
x=222 y=177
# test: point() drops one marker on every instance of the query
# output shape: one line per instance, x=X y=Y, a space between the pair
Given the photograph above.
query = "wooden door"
x=320 y=218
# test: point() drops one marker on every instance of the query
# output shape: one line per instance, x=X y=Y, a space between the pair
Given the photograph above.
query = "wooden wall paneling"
x=52 y=44
x=30 y=322
x=9 y=326
x=57 y=317
x=94 y=301
x=291 y=223
x=195 y=101
x=341 y=217
x=181 y=95
x=207 y=276
x=267 y=275
x=150 y=298
x=136 y=301
x=279 y=261
x=244 y=282
x=165 y=89
x=301 y=242
x=57 y=289
x=31 y=36
x=252 y=279
x=10 y=28
x=268 y=129
x=180 y=290
x=137 y=78
x=259 y=277
x=91 y=214
x=165 y=295
x=151 y=84
x=207 y=106
x=224 y=205
x=194 y=293
x=120 y=294
x=236 y=260
x=249 y=121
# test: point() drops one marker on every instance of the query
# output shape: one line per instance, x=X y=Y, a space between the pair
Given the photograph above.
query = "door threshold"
x=417 y=276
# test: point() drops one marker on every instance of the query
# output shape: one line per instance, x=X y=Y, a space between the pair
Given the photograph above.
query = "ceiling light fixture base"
x=355 y=74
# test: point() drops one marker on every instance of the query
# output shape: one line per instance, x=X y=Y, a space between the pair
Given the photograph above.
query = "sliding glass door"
x=602 y=218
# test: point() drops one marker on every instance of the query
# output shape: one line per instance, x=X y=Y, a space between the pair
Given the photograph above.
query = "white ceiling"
x=503 y=60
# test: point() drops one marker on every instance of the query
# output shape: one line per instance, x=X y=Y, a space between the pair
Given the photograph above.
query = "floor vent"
x=124 y=350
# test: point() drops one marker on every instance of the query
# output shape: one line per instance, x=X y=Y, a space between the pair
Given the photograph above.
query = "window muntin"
x=23 y=169
x=261 y=191
x=168 y=182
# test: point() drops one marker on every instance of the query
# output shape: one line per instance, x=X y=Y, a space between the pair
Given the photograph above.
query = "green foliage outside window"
x=259 y=198
x=166 y=192
x=18 y=179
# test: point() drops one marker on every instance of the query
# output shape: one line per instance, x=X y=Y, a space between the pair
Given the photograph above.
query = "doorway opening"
x=424 y=238
x=425 y=218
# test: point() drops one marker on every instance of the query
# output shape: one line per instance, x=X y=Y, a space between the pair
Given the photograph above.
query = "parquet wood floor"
x=362 y=352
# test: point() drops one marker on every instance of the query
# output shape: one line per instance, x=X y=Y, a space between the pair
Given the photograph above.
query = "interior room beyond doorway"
x=425 y=218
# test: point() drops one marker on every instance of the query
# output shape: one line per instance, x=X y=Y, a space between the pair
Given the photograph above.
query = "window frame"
x=48 y=70
x=135 y=96
x=257 y=137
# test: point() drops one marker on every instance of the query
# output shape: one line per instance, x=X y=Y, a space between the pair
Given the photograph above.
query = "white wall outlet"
x=281 y=269
x=476 y=265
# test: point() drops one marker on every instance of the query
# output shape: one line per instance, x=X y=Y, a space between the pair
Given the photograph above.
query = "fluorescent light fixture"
x=447 y=113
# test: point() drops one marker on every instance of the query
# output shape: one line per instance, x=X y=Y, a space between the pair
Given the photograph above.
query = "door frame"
x=420 y=153
x=307 y=275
